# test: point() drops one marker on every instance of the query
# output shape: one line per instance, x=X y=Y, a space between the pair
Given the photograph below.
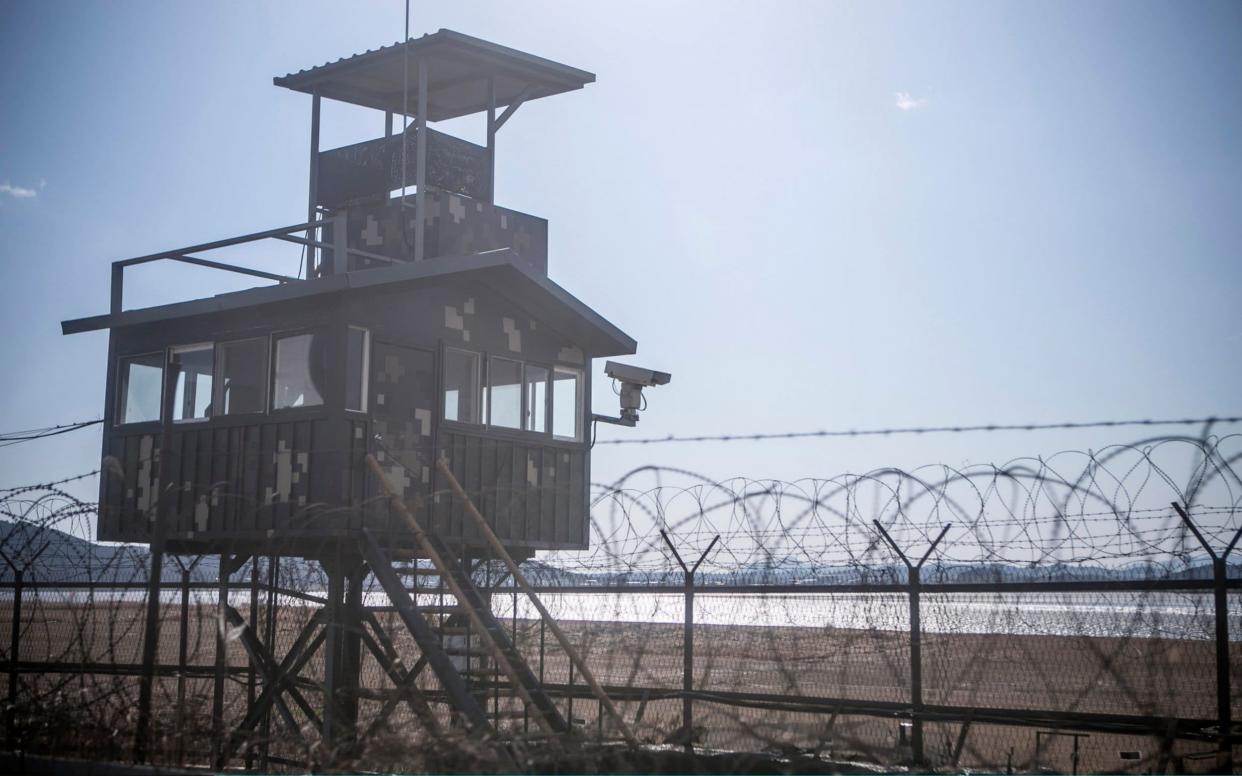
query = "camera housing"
x=633 y=379
x=636 y=375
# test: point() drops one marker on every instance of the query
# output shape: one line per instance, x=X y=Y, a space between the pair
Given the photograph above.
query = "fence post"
x=223 y=574
x=15 y=640
x=182 y=649
x=254 y=628
x=687 y=668
x=273 y=570
x=15 y=637
x=914 y=586
x=1220 y=595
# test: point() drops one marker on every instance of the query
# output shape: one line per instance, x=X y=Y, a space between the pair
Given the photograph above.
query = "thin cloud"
x=906 y=102
x=17 y=192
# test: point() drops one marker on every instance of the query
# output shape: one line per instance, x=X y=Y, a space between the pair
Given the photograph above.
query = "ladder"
x=429 y=626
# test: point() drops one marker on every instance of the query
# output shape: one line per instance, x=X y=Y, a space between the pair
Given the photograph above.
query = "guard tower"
x=426 y=329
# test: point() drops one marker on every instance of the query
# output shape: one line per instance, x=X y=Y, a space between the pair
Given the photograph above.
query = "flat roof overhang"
x=501 y=271
x=459 y=68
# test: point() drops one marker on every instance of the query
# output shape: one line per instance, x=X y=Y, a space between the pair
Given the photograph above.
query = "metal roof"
x=459 y=68
x=501 y=270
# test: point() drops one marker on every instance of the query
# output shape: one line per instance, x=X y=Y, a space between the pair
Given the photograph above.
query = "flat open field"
x=92 y=713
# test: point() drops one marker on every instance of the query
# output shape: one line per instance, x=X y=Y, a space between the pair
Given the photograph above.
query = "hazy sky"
x=815 y=215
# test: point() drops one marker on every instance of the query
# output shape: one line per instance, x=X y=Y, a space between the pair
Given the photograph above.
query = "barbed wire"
x=922 y=430
x=1086 y=516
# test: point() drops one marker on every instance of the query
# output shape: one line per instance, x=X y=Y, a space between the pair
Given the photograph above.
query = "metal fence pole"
x=914 y=585
x=1220 y=595
x=254 y=628
x=687 y=666
x=1224 y=712
x=150 y=645
x=15 y=640
x=182 y=650
x=217 y=700
x=914 y=588
x=273 y=567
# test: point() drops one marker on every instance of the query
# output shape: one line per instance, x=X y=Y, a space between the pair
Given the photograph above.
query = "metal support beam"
x=313 y=196
x=258 y=273
x=491 y=140
x=332 y=654
x=304 y=647
x=420 y=163
x=118 y=289
x=525 y=94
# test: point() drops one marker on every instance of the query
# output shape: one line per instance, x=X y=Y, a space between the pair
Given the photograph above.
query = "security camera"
x=636 y=374
x=633 y=379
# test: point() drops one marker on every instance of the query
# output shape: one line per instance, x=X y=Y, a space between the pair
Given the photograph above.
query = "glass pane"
x=505 y=392
x=461 y=386
x=356 y=357
x=536 y=399
x=192 y=392
x=141 y=383
x=299 y=372
x=241 y=368
x=565 y=403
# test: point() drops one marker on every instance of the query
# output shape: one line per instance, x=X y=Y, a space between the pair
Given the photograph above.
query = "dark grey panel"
x=373 y=168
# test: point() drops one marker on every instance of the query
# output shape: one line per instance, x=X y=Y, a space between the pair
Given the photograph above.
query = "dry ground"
x=93 y=714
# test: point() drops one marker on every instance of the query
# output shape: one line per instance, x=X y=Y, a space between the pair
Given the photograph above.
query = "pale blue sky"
x=815 y=215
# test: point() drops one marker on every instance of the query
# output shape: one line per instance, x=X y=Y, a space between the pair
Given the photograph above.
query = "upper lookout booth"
x=426 y=328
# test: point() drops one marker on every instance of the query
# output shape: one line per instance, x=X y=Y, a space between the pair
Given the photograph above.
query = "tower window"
x=504 y=379
x=241 y=372
x=566 y=402
x=299 y=371
x=461 y=385
x=192 y=391
x=139 y=388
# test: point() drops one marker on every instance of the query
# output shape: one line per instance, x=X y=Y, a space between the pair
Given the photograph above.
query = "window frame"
x=366 y=369
x=265 y=386
x=192 y=347
x=580 y=390
x=271 y=409
x=487 y=392
x=547 y=397
x=119 y=402
x=480 y=377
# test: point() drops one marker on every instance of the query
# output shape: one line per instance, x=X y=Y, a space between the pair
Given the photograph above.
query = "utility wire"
x=27 y=435
x=918 y=430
